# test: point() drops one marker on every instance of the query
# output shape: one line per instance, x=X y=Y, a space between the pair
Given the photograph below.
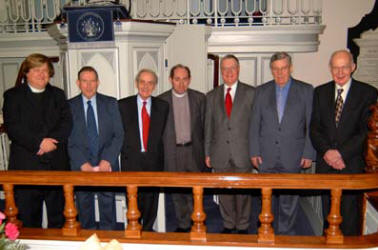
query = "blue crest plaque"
x=92 y=23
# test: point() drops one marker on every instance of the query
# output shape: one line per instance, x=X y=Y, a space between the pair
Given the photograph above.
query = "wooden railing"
x=198 y=181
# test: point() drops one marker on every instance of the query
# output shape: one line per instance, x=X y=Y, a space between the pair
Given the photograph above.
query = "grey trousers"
x=235 y=205
x=285 y=205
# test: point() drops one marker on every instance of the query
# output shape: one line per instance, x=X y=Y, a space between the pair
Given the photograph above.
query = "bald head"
x=341 y=66
x=341 y=53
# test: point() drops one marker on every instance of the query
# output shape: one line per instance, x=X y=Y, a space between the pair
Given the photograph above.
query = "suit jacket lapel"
x=331 y=103
x=237 y=102
x=329 y=112
x=220 y=97
x=80 y=115
x=100 y=119
x=171 y=119
x=290 y=100
x=191 y=110
x=349 y=103
x=272 y=101
x=134 y=119
x=154 y=117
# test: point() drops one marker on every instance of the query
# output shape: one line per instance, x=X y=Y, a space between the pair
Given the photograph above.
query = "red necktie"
x=228 y=102
x=146 y=125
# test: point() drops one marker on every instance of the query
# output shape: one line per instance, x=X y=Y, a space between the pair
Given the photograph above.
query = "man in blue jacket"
x=94 y=145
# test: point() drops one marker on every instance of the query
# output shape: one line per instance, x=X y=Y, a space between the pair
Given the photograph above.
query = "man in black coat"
x=144 y=118
x=38 y=122
x=338 y=131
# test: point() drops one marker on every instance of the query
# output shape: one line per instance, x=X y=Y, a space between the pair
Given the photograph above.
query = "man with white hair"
x=339 y=129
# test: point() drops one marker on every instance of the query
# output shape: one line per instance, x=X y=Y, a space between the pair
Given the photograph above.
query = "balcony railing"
x=18 y=16
x=231 y=12
x=198 y=181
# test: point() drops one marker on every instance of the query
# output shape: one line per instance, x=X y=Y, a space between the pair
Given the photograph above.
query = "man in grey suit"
x=183 y=137
x=228 y=109
x=94 y=145
x=279 y=134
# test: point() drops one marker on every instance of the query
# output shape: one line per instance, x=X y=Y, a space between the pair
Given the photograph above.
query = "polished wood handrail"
x=197 y=181
x=208 y=180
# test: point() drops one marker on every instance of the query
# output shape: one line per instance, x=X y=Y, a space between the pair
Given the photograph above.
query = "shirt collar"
x=285 y=87
x=93 y=99
x=179 y=95
x=233 y=87
x=140 y=100
x=35 y=90
x=345 y=87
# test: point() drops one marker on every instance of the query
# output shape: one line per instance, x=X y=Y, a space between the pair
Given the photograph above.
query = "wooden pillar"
x=371 y=154
x=266 y=232
x=198 y=232
x=71 y=226
x=11 y=210
x=333 y=232
x=133 y=229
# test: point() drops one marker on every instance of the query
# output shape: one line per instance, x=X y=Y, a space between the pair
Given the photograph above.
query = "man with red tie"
x=144 y=118
x=228 y=109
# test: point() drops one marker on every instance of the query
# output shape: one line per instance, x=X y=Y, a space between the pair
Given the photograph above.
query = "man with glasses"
x=228 y=108
x=338 y=132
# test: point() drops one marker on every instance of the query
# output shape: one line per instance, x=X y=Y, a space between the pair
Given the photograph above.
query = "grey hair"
x=146 y=71
x=230 y=56
x=279 y=56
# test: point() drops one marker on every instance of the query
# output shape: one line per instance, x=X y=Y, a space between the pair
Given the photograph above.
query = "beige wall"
x=338 y=16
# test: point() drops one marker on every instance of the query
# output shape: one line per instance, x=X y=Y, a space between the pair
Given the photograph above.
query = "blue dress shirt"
x=281 y=97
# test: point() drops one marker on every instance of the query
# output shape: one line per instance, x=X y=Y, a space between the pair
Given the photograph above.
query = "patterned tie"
x=92 y=134
x=339 y=106
x=228 y=102
x=146 y=125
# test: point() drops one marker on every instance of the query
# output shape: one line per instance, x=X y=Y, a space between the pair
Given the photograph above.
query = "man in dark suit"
x=144 y=118
x=38 y=122
x=228 y=109
x=339 y=129
x=279 y=134
x=184 y=137
x=94 y=146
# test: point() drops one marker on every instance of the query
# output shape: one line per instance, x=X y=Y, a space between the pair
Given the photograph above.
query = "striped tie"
x=339 y=106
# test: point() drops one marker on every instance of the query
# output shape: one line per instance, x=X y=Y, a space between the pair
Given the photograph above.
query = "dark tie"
x=339 y=106
x=92 y=134
x=228 y=102
x=146 y=125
